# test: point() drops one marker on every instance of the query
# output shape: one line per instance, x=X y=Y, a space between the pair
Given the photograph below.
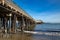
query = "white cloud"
x=53 y=18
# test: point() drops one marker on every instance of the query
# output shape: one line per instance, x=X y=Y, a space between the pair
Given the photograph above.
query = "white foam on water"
x=43 y=33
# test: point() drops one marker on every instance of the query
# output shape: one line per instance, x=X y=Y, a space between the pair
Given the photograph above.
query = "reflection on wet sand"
x=17 y=36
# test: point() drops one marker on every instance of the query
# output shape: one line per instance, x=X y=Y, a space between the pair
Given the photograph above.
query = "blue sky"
x=46 y=10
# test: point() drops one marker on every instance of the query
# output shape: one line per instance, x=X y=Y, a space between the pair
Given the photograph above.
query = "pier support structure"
x=14 y=23
x=22 y=23
x=10 y=14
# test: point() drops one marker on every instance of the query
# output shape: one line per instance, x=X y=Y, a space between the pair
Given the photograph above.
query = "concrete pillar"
x=5 y=24
x=22 y=23
x=10 y=22
x=19 y=23
x=27 y=24
x=2 y=21
x=13 y=28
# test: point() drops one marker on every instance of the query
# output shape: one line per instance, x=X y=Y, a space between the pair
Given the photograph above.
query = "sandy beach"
x=27 y=36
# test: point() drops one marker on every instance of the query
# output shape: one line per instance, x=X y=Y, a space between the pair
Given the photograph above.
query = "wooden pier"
x=13 y=17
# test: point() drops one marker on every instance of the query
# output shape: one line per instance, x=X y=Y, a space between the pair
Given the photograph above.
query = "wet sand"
x=17 y=36
x=26 y=36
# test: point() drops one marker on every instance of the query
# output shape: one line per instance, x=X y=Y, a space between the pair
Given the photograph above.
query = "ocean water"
x=55 y=27
x=47 y=31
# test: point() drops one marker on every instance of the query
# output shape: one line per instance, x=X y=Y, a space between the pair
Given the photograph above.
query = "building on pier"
x=39 y=21
x=12 y=16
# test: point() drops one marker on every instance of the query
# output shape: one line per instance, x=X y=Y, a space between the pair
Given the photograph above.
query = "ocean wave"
x=42 y=33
